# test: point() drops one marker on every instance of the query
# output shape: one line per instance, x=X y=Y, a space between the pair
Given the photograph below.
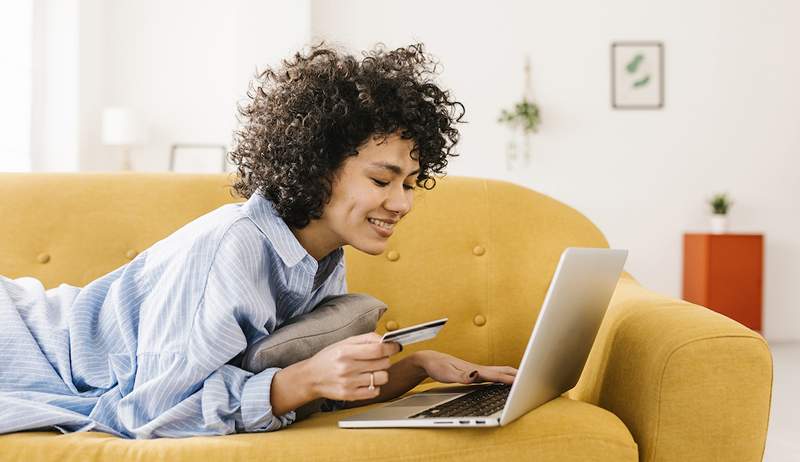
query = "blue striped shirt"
x=150 y=349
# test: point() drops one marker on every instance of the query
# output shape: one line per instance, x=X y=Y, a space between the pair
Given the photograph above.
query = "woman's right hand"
x=341 y=371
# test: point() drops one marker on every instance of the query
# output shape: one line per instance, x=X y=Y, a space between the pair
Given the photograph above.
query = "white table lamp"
x=121 y=128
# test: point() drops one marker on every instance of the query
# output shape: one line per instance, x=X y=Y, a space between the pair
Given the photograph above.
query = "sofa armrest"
x=689 y=383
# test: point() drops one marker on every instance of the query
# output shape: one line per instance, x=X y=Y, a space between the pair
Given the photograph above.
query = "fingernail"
x=473 y=374
x=401 y=346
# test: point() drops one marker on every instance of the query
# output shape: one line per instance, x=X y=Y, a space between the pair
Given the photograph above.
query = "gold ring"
x=371 y=381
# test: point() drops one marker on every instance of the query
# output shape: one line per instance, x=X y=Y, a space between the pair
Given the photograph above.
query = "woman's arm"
x=294 y=386
x=413 y=369
x=292 y=389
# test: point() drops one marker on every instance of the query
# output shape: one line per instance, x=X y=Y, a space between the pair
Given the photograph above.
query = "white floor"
x=783 y=437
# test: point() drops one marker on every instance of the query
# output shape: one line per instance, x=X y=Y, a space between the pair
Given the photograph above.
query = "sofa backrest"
x=480 y=252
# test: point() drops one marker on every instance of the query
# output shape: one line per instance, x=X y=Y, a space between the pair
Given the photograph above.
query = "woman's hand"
x=341 y=371
x=449 y=369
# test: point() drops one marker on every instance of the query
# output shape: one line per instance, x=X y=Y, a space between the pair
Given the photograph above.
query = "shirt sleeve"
x=194 y=391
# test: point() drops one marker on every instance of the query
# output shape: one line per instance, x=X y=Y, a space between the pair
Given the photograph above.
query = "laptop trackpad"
x=425 y=400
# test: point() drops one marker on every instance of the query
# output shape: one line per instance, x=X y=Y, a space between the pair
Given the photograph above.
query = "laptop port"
x=480 y=421
x=463 y=422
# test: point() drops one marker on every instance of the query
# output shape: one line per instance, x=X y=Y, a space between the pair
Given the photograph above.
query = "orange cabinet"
x=724 y=272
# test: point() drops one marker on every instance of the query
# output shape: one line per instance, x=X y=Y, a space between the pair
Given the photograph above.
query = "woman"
x=329 y=152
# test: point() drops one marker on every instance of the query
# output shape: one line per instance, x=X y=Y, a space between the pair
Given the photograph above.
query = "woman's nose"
x=398 y=201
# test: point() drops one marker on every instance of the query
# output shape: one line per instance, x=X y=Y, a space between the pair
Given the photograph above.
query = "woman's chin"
x=371 y=248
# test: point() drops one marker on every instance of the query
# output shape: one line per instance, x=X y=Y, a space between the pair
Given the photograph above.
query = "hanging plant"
x=524 y=115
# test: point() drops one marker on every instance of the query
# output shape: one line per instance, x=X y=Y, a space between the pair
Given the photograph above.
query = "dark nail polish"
x=473 y=374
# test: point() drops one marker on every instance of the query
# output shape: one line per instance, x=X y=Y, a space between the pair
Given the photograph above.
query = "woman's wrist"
x=403 y=376
x=307 y=379
x=419 y=360
x=292 y=387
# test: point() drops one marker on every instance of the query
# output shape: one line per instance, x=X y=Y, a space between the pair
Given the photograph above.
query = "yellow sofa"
x=666 y=380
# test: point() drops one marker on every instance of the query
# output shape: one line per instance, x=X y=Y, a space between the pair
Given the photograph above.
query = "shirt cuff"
x=256 y=406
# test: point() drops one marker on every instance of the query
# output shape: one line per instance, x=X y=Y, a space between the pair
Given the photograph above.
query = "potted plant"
x=720 y=204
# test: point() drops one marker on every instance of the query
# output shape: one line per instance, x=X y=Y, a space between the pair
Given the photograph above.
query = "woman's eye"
x=383 y=184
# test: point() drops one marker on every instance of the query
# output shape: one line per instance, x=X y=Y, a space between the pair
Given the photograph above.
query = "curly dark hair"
x=301 y=121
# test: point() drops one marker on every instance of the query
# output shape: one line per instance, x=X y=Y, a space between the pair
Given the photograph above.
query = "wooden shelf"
x=724 y=272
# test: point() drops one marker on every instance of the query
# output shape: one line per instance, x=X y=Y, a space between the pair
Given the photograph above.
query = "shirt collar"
x=263 y=213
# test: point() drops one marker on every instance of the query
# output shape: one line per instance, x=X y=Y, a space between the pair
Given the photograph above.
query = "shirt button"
x=391 y=325
x=43 y=258
x=131 y=254
x=478 y=250
x=479 y=320
x=392 y=255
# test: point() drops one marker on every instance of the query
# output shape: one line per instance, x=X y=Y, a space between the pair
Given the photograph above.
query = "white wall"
x=16 y=43
x=55 y=96
x=730 y=122
x=182 y=65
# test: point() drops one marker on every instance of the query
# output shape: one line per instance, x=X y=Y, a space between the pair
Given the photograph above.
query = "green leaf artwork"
x=633 y=66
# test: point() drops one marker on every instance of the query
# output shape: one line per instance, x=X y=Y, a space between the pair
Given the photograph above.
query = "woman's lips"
x=383 y=232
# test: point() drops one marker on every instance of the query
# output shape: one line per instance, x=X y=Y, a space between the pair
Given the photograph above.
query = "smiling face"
x=372 y=191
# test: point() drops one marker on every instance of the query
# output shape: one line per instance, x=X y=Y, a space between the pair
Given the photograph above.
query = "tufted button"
x=391 y=325
x=478 y=250
x=43 y=258
x=479 y=320
x=392 y=255
x=131 y=254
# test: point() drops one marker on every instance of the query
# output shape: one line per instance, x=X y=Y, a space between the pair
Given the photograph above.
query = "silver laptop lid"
x=568 y=322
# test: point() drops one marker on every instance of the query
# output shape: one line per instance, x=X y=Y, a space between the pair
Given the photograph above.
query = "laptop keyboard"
x=481 y=402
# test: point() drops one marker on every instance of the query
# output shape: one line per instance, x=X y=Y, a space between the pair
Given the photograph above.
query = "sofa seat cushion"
x=561 y=430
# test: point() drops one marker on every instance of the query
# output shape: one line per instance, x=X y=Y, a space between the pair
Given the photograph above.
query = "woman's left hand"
x=449 y=369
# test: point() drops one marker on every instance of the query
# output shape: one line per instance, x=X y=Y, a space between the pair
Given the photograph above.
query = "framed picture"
x=637 y=75
x=198 y=158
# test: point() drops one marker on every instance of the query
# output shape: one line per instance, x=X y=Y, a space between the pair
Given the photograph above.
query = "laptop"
x=562 y=337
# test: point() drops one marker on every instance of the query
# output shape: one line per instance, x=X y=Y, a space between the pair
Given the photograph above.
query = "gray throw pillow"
x=334 y=319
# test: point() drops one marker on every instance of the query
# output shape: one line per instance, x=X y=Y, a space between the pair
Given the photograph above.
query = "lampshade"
x=120 y=126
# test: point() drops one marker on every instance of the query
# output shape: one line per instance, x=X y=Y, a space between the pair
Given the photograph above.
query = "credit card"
x=414 y=334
